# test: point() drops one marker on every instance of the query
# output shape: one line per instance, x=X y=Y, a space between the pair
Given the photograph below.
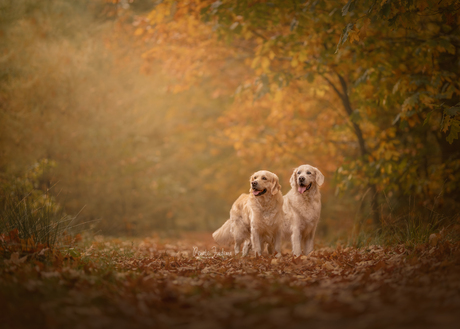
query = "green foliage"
x=30 y=219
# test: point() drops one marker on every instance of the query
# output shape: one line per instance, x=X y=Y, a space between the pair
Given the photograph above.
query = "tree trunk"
x=343 y=95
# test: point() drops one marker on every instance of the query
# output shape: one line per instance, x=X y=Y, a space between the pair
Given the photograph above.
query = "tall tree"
x=373 y=86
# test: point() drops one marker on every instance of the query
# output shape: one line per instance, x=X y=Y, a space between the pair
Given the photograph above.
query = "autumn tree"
x=368 y=88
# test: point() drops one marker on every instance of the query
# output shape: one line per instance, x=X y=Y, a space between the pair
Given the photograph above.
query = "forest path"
x=160 y=283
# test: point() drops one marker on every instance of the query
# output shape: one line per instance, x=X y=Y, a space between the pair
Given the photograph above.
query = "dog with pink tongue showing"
x=302 y=208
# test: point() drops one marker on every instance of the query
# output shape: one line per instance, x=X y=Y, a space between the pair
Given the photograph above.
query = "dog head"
x=304 y=177
x=264 y=181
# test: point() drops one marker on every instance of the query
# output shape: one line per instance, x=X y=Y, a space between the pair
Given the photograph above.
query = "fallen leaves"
x=15 y=259
x=161 y=283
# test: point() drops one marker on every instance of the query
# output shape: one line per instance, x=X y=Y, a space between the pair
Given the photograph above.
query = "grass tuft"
x=30 y=219
x=411 y=229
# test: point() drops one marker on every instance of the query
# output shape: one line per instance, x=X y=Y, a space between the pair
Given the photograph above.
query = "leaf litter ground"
x=162 y=283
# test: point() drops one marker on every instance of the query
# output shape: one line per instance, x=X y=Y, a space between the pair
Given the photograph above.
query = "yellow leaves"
x=410 y=102
x=403 y=67
x=387 y=150
x=265 y=63
x=281 y=60
x=139 y=31
x=302 y=56
x=320 y=92
x=157 y=15
x=193 y=29
x=261 y=61
x=446 y=124
x=255 y=62
x=388 y=154
x=427 y=100
x=248 y=35
x=391 y=132
x=353 y=34
x=279 y=96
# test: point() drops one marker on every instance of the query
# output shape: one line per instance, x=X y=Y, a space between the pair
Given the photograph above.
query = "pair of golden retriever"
x=264 y=216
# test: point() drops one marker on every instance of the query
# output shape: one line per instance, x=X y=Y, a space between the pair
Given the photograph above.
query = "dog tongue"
x=255 y=192
x=302 y=189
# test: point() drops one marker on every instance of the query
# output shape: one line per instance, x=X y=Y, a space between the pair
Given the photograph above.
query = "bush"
x=30 y=218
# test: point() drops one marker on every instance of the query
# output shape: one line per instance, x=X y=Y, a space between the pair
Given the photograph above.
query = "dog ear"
x=276 y=187
x=250 y=185
x=293 y=179
x=319 y=177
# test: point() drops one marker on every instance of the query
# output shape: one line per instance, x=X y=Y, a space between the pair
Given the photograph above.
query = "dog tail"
x=223 y=236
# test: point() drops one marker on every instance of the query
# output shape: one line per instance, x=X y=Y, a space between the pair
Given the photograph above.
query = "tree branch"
x=347 y=106
x=333 y=87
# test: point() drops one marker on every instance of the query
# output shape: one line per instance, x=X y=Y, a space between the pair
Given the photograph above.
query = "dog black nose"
x=301 y=179
x=254 y=183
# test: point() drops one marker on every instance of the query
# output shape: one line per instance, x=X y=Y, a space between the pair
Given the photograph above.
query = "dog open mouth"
x=303 y=188
x=259 y=193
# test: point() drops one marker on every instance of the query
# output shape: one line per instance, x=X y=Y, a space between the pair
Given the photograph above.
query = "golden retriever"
x=255 y=218
x=302 y=208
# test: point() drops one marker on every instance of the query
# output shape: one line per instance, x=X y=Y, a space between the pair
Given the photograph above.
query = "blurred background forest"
x=153 y=114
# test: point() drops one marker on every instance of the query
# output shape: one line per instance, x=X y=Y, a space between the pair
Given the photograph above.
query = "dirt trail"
x=161 y=284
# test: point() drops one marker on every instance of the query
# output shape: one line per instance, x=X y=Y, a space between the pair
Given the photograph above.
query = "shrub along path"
x=161 y=284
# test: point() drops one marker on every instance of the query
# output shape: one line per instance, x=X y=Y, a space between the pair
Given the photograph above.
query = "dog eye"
x=299 y=173
x=308 y=173
x=255 y=177
x=264 y=178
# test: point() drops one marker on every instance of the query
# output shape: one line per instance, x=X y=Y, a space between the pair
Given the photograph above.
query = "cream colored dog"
x=255 y=218
x=302 y=208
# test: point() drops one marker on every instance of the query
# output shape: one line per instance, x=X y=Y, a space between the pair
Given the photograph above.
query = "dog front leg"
x=270 y=248
x=237 y=247
x=296 y=243
x=310 y=242
x=255 y=240
x=255 y=237
x=278 y=244
x=246 y=247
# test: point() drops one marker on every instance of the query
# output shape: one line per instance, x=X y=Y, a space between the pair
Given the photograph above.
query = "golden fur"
x=302 y=208
x=255 y=218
